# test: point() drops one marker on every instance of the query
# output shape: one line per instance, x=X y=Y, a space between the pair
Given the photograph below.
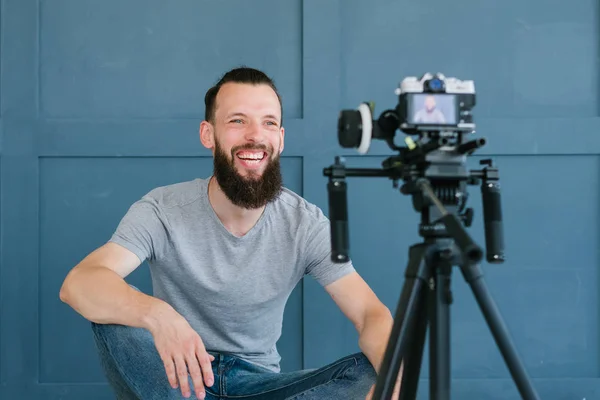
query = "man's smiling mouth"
x=251 y=158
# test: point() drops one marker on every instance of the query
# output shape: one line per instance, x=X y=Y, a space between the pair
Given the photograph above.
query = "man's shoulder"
x=176 y=194
x=294 y=205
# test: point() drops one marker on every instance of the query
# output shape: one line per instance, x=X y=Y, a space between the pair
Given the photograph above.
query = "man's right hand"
x=182 y=350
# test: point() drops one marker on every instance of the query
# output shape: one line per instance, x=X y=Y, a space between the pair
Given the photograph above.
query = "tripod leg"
x=474 y=277
x=412 y=363
x=406 y=315
x=439 y=340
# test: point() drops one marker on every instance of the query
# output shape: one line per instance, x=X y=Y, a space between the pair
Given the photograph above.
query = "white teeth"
x=251 y=156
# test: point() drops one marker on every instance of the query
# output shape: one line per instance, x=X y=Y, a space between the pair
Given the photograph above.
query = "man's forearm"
x=101 y=296
x=374 y=335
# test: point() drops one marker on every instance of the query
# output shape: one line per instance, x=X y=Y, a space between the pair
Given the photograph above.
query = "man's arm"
x=96 y=289
x=371 y=318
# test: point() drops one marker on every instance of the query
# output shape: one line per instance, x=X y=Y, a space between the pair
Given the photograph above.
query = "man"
x=225 y=253
x=429 y=114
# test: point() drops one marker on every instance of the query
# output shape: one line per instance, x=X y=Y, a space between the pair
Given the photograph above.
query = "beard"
x=253 y=191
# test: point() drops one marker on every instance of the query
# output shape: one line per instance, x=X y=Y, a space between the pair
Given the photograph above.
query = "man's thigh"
x=348 y=378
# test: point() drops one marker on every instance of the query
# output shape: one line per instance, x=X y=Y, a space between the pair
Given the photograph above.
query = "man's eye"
x=236 y=120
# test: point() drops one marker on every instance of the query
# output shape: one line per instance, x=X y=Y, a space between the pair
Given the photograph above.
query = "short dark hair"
x=241 y=74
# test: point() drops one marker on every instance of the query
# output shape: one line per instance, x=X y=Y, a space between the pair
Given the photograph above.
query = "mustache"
x=252 y=146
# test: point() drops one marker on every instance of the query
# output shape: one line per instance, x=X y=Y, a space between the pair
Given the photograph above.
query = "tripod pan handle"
x=338 y=214
x=492 y=220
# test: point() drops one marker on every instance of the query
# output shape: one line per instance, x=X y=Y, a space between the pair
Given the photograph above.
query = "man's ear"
x=282 y=141
x=207 y=135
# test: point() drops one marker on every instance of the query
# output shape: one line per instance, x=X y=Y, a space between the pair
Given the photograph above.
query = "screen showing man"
x=434 y=109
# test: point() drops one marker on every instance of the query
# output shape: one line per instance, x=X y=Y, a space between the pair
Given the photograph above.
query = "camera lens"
x=349 y=128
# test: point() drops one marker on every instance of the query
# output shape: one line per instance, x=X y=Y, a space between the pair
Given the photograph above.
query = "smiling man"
x=225 y=253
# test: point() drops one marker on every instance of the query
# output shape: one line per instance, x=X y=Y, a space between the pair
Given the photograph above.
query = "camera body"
x=430 y=106
x=435 y=103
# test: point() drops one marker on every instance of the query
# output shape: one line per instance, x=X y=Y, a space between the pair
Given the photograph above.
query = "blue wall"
x=101 y=101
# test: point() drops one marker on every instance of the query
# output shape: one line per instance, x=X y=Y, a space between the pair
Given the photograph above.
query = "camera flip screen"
x=434 y=109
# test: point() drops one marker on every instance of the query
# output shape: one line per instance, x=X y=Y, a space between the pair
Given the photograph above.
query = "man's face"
x=430 y=103
x=247 y=142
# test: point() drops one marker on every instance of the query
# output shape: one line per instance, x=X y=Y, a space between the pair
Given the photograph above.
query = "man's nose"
x=254 y=132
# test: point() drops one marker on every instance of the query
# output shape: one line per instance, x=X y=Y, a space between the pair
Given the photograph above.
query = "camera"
x=431 y=105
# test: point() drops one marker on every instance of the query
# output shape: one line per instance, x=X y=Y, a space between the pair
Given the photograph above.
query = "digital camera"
x=431 y=104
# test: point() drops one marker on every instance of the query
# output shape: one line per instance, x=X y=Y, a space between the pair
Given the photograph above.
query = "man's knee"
x=125 y=346
x=121 y=335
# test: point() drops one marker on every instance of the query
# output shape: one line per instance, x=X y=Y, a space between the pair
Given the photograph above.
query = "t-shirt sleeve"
x=318 y=250
x=143 y=229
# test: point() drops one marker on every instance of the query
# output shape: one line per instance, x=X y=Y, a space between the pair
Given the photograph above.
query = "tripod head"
x=437 y=111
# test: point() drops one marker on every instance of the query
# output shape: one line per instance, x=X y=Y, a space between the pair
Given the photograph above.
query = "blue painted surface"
x=101 y=102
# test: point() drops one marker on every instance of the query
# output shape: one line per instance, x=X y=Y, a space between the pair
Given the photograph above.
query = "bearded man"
x=224 y=253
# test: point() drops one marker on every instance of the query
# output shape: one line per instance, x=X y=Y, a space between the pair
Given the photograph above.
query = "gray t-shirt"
x=426 y=117
x=232 y=290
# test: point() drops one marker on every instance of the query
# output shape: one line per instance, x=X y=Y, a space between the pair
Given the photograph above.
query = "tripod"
x=425 y=299
x=426 y=295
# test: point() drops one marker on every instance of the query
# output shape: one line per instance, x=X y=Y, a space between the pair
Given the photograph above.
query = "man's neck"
x=236 y=220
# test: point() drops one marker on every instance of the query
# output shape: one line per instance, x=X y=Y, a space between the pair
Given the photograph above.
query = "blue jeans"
x=135 y=371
